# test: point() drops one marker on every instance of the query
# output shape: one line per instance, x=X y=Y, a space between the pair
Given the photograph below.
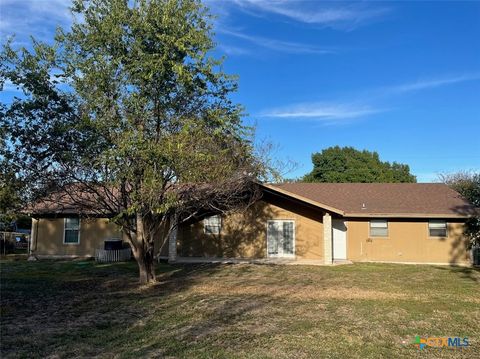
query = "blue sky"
x=400 y=78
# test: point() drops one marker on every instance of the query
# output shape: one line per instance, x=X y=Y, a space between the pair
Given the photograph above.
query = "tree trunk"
x=146 y=269
x=143 y=253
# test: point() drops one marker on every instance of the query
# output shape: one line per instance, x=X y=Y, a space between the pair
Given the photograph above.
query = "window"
x=71 y=234
x=437 y=228
x=378 y=228
x=212 y=225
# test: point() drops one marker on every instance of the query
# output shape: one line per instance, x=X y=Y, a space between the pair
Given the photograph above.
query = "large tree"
x=128 y=114
x=468 y=185
x=347 y=164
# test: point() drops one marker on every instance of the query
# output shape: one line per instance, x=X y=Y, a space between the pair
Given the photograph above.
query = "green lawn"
x=82 y=309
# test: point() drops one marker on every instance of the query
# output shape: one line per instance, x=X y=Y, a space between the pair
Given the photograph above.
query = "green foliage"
x=130 y=95
x=468 y=185
x=346 y=164
x=130 y=104
x=10 y=197
x=465 y=183
x=9 y=191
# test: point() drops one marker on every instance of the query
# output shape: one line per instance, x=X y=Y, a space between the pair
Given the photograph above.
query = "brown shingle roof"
x=74 y=199
x=377 y=199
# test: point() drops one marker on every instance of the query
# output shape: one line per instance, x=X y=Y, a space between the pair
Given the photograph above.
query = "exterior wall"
x=244 y=235
x=407 y=241
x=48 y=238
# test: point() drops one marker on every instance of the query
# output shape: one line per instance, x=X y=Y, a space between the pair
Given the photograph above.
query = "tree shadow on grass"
x=80 y=308
x=471 y=273
x=206 y=318
x=83 y=309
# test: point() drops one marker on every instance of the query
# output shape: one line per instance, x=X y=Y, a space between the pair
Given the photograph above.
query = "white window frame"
x=376 y=235
x=65 y=229
x=437 y=221
x=282 y=255
x=218 y=226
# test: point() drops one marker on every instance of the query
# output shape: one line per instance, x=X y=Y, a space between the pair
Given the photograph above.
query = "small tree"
x=346 y=164
x=128 y=114
x=468 y=185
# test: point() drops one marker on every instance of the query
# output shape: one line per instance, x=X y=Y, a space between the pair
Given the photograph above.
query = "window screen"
x=378 y=228
x=72 y=231
x=212 y=225
x=437 y=228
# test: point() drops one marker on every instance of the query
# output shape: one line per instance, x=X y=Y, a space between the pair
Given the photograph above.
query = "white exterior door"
x=339 y=237
x=281 y=238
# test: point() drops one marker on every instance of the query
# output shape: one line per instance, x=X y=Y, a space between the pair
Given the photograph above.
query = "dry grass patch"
x=307 y=292
x=81 y=309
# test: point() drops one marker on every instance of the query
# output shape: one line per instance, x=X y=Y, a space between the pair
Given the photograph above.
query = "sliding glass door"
x=281 y=238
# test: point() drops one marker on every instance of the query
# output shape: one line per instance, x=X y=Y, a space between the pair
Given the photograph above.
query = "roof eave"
x=304 y=199
x=406 y=215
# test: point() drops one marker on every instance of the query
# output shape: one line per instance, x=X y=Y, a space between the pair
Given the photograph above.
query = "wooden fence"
x=115 y=255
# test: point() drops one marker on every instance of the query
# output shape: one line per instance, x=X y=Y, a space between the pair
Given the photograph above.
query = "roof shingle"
x=374 y=199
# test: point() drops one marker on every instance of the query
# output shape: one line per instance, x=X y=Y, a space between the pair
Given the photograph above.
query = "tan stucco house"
x=301 y=223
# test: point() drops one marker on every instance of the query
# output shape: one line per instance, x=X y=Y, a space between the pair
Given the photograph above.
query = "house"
x=299 y=222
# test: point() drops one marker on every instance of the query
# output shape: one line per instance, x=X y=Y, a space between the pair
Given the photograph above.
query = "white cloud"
x=326 y=112
x=433 y=83
x=8 y=86
x=36 y=18
x=340 y=15
x=362 y=106
x=278 y=45
x=233 y=50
